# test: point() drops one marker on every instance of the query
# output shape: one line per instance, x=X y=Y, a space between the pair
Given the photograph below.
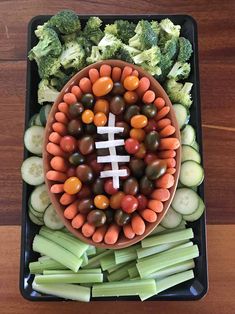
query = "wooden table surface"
x=216 y=26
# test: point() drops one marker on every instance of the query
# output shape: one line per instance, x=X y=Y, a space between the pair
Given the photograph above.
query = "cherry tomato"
x=131 y=82
x=72 y=185
x=68 y=144
x=130 y=97
x=141 y=152
x=116 y=199
x=102 y=86
x=151 y=126
x=149 y=158
x=132 y=146
x=137 y=134
x=139 y=121
x=129 y=204
x=101 y=201
x=142 y=202
x=108 y=187
x=97 y=167
x=84 y=192
x=87 y=116
x=101 y=105
x=100 y=119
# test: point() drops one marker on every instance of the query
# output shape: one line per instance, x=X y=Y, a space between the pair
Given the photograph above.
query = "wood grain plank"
x=215 y=20
x=220 y=298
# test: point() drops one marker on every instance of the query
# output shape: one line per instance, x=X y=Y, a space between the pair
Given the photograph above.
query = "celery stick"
x=133 y=272
x=174 y=269
x=126 y=255
x=56 y=252
x=66 y=291
x=95 y=261
x=107 y=262
x=144 y=252
x=167 y=238
x=85 y=260
x=187 y=244
x=100 y=250
x=112 y=269
x=68 y=242
x=165 y=259
x=67 y=271
x=44 y=258
x=39 y=266
x=121 y=272
x=91 y=250
x=68 y=278
x=124 y=288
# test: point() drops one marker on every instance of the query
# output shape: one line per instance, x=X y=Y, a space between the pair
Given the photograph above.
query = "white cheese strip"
x=109 y=129
x=113 y=158
x=113 y=173
x=108 y=144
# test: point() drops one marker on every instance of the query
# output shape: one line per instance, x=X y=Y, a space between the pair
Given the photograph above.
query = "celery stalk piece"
x=133 y=272
x=187 y=244
x=66 y=291
x=68 y=278
x=95 y=260
x=144 y=252
x=124 y=288
x=100 y=250
x=167 y=238
x=44 y=258
x=165 y=259
x=91 y=250
x=170 y=281
x=112 y=269
x=85 y=260
x=67 y=271
x=56 y=252
x=107 y=262
x=75 y=246
x=126 y=255
x=41 y=265
x=174 y=269
x=121 y=272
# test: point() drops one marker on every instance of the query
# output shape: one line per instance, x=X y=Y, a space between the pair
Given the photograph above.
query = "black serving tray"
x=191 y=290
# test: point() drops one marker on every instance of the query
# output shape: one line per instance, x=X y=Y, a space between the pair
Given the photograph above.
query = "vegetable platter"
x=66 y=268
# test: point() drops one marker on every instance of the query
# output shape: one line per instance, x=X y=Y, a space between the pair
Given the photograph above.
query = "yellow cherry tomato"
x=137 y=134
x=100 y=119
x=102 y=86
x=131 y=82
x=139 y=121
x=101 y=201
x=101 y=105
x=72 y=185
x=87 y=116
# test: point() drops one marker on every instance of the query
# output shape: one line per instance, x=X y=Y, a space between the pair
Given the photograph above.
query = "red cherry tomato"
x=68 y=144
x=132 y=145
x=108 y=187
x=142 y=202
x=151 y=126
x=129 y=204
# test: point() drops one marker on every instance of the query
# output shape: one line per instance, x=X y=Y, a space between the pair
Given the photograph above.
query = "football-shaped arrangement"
x=111 y=154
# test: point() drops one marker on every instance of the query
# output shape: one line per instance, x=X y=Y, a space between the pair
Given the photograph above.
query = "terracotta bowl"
x=159 y=91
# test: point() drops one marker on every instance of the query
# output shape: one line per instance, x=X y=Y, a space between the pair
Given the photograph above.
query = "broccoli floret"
x=125 y=30
x=149 y=60
x=92 y=29
x=95 y=55
x=145 y=36
x=86 y=44
x=46 y=93
x=165 y=65
x=180 y=71
x=168 y=29
x=59 y=80
x=72 y=56
x=126 y=53
x=47 y=66
x=171 y=48
x=69 y=37
x=49 y=44
x=109 y=45
x=179 y=93
x=156 y=27
x=67 y=22
x=185 y=49
x=40 y=30
x=111 y=29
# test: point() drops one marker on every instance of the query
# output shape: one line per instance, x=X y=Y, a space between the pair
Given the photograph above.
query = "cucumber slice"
x=44 y=113
x=39 y=198
x=32 y=170
x=191 y=173
x=37 y=120
x=185 y=201
x=182 y=115
x=197 y=214
x=188 y=135
x=33 y=139
x=35 y=220
x=32 y=120
x=35 y=213
x=172 y=219
x=51 y=219
x=195 y=145
x=189 y=153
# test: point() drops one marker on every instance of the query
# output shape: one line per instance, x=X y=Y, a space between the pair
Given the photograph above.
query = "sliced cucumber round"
x=182 y=115
x=51 y=219
x=32 y=120
x=44 y=113
x=33 y=139
x=36 y=220
x=40 y=199
x=195 y=145
x=191 y=173
x=35 y=213
x=172 y=219
x=32 y=170
x=188 y=135
x=185 y=201
x=197 y=214
x=189 y=153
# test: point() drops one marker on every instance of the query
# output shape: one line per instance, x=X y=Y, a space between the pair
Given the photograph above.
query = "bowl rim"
x=154 y=85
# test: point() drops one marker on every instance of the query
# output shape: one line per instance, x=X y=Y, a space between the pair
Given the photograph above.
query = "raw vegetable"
x=51 y=219
x=39 y=198
x=32 y=170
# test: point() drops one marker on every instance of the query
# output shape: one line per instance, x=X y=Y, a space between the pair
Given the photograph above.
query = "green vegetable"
x=179 y=93
x=92 y=29
x=126 y=255
x=68 y=278
x=67 y=271
x=108 y=46
x=66 y=22
x=122 y=29
x=171 y=48
x=121 y=273
x=95 y=261
x=46 y=264
x=72 y=56
x=185 y=49
x=168 y=29
x=46 y=93
x=107 y=262
x=180 y=71
x=145 y=36
x=94 y=56
x=149 y=60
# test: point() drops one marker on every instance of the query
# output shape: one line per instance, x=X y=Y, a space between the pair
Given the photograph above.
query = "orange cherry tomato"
x=137 y=134
x=101 y=105
x=139 y=121
x=130 y=97
x=101 y=201
x=100 y=119
x=116 y=199
x=131 y=82
x=72 y=185
x=102 y=86
x=87 y=116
